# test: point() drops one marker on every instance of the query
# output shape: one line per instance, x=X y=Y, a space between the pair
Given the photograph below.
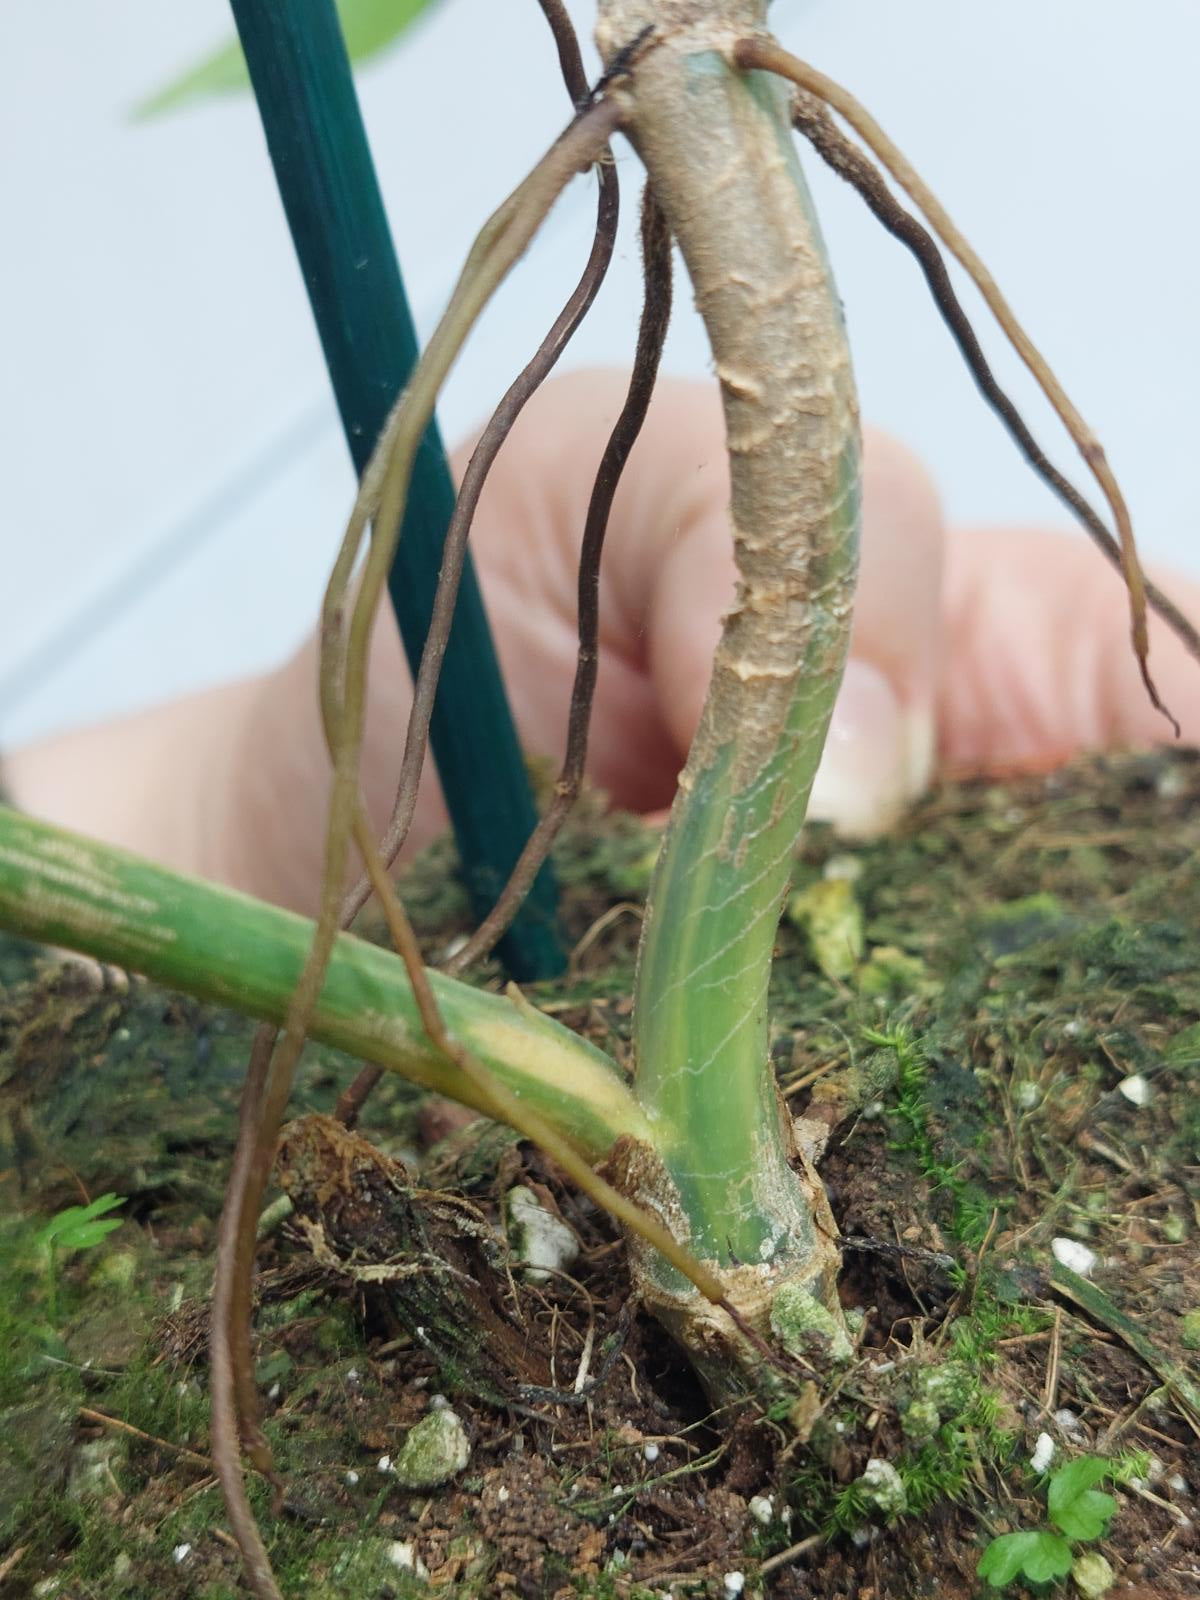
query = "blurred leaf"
x=1184 y=1389
x=1075 y=1506
x=276 y=1367
x=80 y=1227
x=1183 y=1049
x=1042 y=1557
x=369 y=26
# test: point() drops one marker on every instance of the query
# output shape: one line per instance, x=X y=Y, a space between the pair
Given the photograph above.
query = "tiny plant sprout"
x=76 y=1228
x=1080 y=1514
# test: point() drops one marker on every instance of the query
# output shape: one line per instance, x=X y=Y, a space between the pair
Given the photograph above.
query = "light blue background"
x=173 y=477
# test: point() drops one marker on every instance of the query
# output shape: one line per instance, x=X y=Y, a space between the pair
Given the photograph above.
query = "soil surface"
x=998 y=1010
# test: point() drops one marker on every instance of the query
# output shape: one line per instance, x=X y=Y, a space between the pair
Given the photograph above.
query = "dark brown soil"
x=1020 y=1047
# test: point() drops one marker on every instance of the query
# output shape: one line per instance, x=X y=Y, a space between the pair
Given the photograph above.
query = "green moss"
x=366 y=1568
x=1055 y=983
x=971 y=1206
x=1014 y=925
x=829 y=915
x=807 y=1329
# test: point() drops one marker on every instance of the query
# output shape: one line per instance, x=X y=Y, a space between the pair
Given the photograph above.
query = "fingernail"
x=878 y=755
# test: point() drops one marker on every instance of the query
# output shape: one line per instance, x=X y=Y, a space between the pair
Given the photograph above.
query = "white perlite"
x=1043 y=1453
x=541 y=1242
x=884 y=1488
x=434 y=1451
x=1136 y=1090
x=1074 y=1256
x=404 y=1556
x=762 y=1508
x=735 y=1582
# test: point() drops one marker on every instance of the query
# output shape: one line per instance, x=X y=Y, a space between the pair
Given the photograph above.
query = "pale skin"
x=986 y=649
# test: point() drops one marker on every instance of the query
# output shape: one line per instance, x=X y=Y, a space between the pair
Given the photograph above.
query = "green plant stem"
x=225 y=947
x=52 y=1284
x=719 y=149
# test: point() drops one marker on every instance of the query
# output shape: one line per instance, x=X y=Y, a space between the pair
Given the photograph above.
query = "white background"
x=173 y=478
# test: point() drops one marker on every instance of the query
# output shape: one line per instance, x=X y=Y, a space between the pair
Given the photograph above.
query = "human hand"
x=989 y=649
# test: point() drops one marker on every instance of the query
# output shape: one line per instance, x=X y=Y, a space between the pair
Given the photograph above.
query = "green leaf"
x=1183 y=1049
x=276 y=1367
x=80 y=1227
x=369 y=26
x=1080 y=1510
x=54 y=1348
x=1042 y=1557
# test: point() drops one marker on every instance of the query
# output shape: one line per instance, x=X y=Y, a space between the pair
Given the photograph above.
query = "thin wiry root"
x=343 y=699
x=234 y=1403
x=484 y=455
x=763 y=54
x=656 y=313
x=416 y=739
x=508 y=1107
x=812 y=119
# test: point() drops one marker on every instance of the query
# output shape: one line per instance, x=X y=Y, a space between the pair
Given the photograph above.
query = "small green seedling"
x=76 y=1228
x=1080 y=1512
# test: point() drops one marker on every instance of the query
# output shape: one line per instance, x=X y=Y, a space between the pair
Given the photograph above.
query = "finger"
x=880 y=750
x=1038 y=661
x=880 y=747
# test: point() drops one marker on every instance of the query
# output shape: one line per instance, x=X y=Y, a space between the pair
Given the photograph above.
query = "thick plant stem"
x=227 y=948
x=717 y=146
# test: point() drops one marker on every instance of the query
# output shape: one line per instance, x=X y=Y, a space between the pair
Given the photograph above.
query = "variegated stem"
x=225 y=947
x=718 y=147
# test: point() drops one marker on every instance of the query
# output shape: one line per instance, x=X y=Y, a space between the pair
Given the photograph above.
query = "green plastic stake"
x=302 y=81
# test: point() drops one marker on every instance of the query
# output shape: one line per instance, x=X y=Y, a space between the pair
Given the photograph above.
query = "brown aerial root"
x=343 y=698
x=500 y=425
x=656 y=314
x=484 y=455
x=811 y=118
x=343 y=684
x=765 y=55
